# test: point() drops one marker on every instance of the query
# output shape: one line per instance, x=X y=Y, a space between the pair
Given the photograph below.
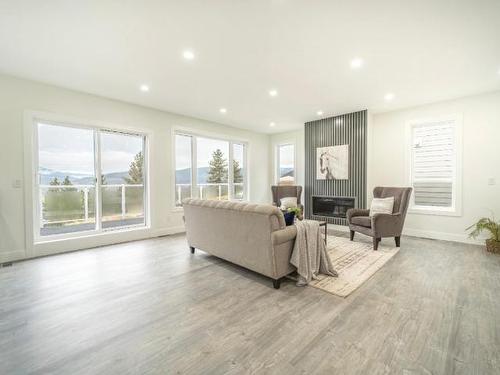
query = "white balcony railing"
x=207 y=191
x=85 y=191
x=82 y=210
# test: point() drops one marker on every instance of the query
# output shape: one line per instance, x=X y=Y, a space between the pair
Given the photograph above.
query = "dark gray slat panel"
x=344 y=129
x=358 y=166
x=364 y=128
x=353 y=151
x=308 y=188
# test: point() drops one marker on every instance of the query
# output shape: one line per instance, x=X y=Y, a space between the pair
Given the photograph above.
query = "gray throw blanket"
x=309 y=253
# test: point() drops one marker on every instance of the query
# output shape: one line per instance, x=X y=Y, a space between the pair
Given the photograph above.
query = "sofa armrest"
x=284 y=235
x=387 y=224
x=352 y=212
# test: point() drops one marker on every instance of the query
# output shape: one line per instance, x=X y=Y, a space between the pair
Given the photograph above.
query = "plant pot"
x=289 y=217
x=493 y=246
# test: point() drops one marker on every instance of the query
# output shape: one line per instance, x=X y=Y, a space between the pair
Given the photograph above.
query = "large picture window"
x=434 y=168
x=122 y=179
x=209 y=168
x=88 y=179
x=212 y=168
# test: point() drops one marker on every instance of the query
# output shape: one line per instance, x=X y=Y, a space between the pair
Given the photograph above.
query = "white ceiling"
x=421 y=50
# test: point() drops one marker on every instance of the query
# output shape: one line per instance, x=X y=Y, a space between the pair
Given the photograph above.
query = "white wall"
x=480 y=161
x=386 y=162
x=18 y=96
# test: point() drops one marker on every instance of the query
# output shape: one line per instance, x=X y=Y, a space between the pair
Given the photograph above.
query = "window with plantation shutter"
x=434 y=165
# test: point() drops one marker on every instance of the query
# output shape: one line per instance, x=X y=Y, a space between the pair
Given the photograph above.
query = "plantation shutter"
x=433 y=163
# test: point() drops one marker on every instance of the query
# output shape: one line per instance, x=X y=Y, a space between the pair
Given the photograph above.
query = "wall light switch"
x=16 y=184
x=492 y=181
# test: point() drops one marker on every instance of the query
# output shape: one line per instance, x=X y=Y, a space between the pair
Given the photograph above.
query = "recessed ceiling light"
x=144 y=88
x=356 y=63
x=272 y=124
x=188 y=55
x=223 y=110
x=273 y=92
x=319 y=113
x=389 y=96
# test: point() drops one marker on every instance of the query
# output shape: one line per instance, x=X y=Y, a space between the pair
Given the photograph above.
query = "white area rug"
x=355 y=263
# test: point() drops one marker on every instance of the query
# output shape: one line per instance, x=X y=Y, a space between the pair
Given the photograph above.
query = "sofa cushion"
x=364 y=221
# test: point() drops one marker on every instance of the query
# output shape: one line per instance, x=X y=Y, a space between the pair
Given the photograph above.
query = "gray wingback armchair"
x=283 y=191
x=381 y=225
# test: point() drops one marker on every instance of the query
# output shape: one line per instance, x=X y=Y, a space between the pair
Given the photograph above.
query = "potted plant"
x=493 y=227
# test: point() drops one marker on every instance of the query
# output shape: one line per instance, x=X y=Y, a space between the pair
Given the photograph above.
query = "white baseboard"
x=167 y=231
x=87 y=242
x=10 y=256
x=444 y=236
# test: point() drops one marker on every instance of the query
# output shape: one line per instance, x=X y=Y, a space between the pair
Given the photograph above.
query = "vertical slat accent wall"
x=348 y=129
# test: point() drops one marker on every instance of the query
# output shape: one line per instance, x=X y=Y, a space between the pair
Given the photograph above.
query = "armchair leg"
x=276 y=283
x=376 y=241
x=398 y=241
x=192 y=249
x=352 y=235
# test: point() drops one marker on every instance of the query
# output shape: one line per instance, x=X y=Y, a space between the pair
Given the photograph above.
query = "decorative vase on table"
x=289 y=218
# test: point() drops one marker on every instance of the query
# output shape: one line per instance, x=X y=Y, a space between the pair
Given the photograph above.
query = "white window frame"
x=194 y=183
x=456 y=207
x=277 y=171
x=32 y=142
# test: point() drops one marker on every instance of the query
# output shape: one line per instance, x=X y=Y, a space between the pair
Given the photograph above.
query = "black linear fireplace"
x=331 y=206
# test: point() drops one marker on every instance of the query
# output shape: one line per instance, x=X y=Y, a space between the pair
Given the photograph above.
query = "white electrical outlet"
x=16 y=184
x=492 y=181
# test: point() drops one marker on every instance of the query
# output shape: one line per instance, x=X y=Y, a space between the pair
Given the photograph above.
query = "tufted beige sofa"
x=251 y=235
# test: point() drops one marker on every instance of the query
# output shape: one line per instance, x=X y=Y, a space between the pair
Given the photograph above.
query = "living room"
x=266 y=187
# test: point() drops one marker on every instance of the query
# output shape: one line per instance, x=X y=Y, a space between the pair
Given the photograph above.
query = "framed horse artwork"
x=332 y=163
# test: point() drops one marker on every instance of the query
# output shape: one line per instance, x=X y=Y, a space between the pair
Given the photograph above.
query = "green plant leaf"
x=485 y=224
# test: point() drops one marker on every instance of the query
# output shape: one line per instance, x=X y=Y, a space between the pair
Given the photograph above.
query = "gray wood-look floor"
x=150 y=307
